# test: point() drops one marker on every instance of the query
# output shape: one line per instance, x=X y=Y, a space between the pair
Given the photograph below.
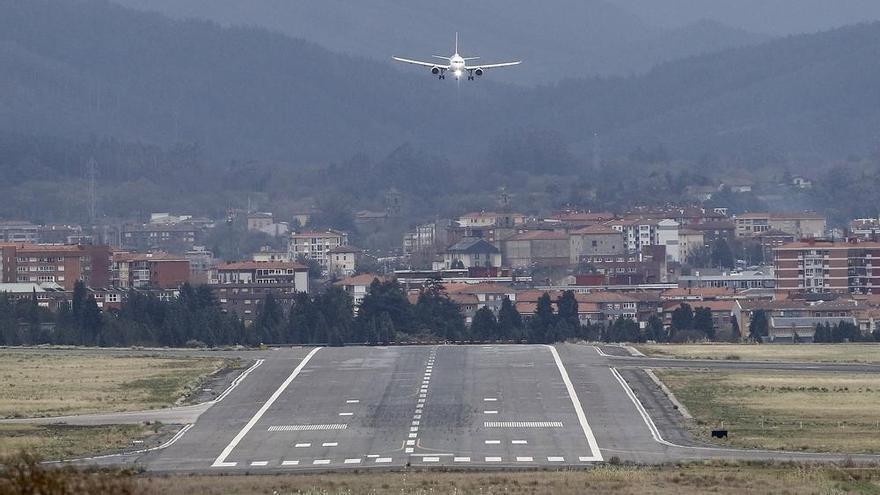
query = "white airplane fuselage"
x=456 y=65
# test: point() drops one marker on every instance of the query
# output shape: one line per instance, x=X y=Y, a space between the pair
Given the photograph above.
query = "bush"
x=24 y=474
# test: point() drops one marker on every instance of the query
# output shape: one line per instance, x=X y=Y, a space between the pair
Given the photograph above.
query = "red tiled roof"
x=539 y=235
x=258 y=265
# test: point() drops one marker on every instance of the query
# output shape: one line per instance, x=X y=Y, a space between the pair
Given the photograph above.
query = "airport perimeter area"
x=318 y=409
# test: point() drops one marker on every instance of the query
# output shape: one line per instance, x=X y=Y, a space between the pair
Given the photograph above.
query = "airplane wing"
x=424 y=64
x=494 y=66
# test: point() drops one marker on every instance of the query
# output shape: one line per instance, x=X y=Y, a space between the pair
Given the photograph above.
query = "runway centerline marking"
x=221 y=459
x=352 y=401
x=330 y=444
x=302 y=445
x=519 y=442
x=490 y=412
x=492 y=442
x=582 y=418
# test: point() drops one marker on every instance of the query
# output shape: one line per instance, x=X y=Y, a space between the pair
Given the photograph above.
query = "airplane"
x=457 y=64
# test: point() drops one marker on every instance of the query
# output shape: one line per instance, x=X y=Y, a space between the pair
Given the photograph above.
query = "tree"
x=510 y=324
x=846 y=331
x=722 y=256
x=704 y=323
x=484 y=326
x=759 y=326
x=268 y=325
x=386 y=298
x=567 y=307
x=823 y=334
x=682 y=319
x=437 y=314
x=316 y=271
x=338 y=310
x=735 y=335
x=542 y=323
x=655 y=331
x=623 y=330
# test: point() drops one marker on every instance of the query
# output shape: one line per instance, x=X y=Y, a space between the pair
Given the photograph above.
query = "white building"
x=343 y=260
x=667 y=235
x=316 y=245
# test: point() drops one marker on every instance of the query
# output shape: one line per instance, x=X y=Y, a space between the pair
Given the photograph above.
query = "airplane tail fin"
x=456 y=42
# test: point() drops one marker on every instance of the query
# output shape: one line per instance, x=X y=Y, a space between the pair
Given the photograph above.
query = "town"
x=671 y=274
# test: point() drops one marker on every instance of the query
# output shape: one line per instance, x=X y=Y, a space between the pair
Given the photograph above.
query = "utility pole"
x=92 y=178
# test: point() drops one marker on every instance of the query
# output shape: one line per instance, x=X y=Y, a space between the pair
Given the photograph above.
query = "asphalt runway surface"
x=476 y=406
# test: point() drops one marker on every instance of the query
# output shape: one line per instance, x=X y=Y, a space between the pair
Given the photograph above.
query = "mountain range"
x=83 y=68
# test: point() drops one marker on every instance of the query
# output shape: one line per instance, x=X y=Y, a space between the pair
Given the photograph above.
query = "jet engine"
x=435 y=70
x=478 y=72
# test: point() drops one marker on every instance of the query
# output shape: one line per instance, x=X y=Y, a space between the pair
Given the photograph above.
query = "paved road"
x=479 y=406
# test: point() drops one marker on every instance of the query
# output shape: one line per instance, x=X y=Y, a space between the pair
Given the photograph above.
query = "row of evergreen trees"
x=384 y=316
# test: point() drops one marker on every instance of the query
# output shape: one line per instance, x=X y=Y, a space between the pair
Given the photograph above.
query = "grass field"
x=828 y=412
x=618 y=480
x=830 y=353
x=43 y=384
x=65 y=442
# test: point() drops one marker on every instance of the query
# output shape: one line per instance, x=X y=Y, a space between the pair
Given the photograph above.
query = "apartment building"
x=241 y=287
x=826 y=266
x=61 y=264
x=316 y=245
x=149 y=270
x=801 y=225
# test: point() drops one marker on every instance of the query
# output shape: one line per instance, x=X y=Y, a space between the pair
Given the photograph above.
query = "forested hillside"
x=558 y=38
x=204 y=117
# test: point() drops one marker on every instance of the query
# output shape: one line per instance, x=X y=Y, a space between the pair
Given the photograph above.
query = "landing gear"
x=470 y=78
x=470 y=74
x=441 y=76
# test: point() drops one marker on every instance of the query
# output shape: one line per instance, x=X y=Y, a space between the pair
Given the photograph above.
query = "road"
x=477 y=406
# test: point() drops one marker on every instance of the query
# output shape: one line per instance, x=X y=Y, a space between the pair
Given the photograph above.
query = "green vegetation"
x=25 y=476
x=56 y=442
x=837 y=353
x=824 y=412
x=37 y=383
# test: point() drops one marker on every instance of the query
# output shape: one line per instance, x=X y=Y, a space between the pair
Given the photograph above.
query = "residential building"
x=266 y=253
x=795 y=320
x=667 y=235
x=536 y=248
x=164 y=237
x=241 y=287
x=63 y=234
x=426 y=238
x=826 y=266
x=865 y=228
x=759 y=278
x=802 y=225
x=472 y=252
x=595 y=240
x=343 y=260
x=689 y=242
x=264 y=222
x=491 y=219
x=649 y=267
x=316 y=245
x=48 y=294
x=149 y=270
x=15 y=231
x=770 y=240
x=201 y=264
x=62 y=264
x=715 y=230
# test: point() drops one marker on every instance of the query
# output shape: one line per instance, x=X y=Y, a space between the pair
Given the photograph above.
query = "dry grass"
x=833 y=412
x=619 y=480
x=67 y=442
x=829 y=353
x=37 y=384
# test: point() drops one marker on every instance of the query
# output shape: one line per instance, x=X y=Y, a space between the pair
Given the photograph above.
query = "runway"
x=472 y=407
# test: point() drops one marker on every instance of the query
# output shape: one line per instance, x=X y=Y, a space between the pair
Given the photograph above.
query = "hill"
x=83 y=68
x=557 y=38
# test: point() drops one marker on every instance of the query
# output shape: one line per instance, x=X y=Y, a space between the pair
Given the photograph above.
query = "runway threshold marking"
x=523 y=424
x=221 y=459
x=307 y=427
x=582 y=418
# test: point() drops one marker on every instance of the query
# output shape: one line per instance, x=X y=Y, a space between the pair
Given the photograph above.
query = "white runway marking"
x=522 y=424
x=290 y=463
x=330 y=444
x=492 y=442
x=260 y=463
x=307 y=427
x=410 y=443
x=301 y=445
x=519 y=442
x=413 y=435
x=524 y=459
x=493 y=459
x=413 y=429
x=556 y=459
x=430 y=459
x=352 y=401
x=415 y=423
x=352 y=461
x=383 y=460
x=461 y=459
x=221 y=459
x=582 y=418
x=584 y=459
x=345 y=414
x=489 y=399
x=490 y=412
x=321 y=461
x=408 y=450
